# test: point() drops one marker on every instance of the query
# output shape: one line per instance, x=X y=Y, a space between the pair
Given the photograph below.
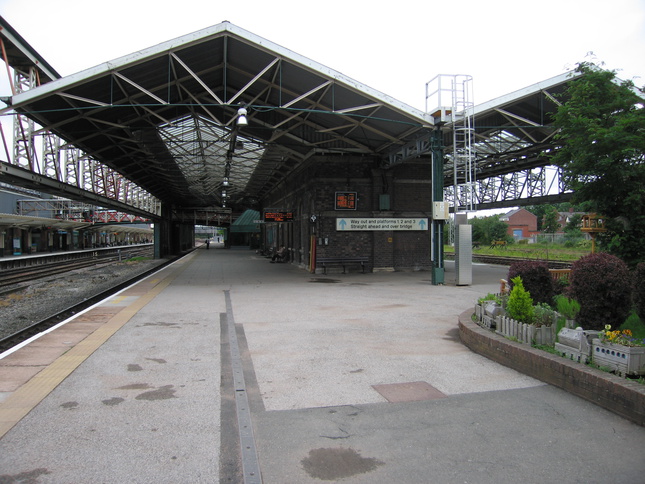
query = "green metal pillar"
x=437 y=196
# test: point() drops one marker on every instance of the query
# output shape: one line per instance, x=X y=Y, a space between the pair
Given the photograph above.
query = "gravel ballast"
x=28 y=304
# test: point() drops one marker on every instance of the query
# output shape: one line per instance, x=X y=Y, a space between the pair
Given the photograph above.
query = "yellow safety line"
x=25 y=398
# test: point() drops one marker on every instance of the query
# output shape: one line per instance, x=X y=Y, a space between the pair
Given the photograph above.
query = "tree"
x=550 y=223
x=538 y=211
x=601 y=150
x=487 y=229
x=573 y=225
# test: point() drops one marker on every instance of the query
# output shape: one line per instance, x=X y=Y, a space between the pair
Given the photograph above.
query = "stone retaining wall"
x=623 y=397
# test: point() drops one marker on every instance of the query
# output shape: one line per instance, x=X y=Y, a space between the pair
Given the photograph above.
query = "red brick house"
x=522 y=224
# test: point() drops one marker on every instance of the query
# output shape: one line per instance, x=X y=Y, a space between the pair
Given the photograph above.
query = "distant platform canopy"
x=27 y=222
x=247 y=223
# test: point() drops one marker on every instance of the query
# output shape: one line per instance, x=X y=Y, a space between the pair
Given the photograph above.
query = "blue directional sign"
x=348 y=223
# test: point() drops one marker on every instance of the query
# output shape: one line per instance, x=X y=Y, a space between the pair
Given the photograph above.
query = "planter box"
x=575 y=344
x=573 y=353
x=488 y=322
x=479 y=311
x=526 y=333
x=570 y=324
x=487 y=313
x=625 y=360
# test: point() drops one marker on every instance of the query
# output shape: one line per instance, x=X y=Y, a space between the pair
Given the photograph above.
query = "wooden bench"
x=341 y=261
x=498 y=243
x=560 y=274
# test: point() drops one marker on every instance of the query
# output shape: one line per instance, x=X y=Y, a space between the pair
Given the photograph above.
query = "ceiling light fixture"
x=241 y=117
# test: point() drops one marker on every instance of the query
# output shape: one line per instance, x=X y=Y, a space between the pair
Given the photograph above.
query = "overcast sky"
x=395 y=47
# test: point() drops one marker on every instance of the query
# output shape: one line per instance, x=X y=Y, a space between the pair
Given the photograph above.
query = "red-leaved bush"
x=638 y=290
x=601 y=283
x=536 y=279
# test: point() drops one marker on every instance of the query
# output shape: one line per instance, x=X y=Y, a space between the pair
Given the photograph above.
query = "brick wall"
x=623 y=397
x=524 y=220
x=311 y=190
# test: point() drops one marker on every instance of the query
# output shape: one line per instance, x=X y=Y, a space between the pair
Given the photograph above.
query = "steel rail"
x=11 y=277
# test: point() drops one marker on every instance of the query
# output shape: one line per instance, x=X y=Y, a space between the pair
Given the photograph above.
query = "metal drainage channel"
x=250 y=461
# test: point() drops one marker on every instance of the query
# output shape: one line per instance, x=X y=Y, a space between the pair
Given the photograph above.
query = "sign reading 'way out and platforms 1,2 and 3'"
x=349 y=223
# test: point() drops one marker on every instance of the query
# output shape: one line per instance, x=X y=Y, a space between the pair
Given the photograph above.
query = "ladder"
x=451 y=97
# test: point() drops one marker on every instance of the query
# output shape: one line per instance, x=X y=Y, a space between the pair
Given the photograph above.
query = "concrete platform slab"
x=409 y=392
x=147 y=396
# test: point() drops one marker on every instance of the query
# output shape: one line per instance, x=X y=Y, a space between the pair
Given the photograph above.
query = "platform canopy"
x=8 y=220
x=167 y=117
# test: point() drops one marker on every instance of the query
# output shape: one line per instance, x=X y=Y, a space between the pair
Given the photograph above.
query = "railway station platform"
x=225 y=368
x=39 y=258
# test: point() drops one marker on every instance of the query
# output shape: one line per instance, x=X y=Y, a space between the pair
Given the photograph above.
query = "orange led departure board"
x=345 y=200
x=278 y=216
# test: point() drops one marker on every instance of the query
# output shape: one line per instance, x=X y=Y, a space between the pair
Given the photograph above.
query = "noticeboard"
x=278 y=216
x=345 y=200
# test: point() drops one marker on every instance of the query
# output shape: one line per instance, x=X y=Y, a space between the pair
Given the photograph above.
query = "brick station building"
x=310 y=193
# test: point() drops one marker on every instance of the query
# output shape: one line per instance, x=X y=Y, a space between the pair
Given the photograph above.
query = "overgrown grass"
x=532 y=251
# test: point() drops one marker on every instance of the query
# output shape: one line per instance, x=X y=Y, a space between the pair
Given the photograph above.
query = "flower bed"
x=490 y=315
x=625 y=360
x=619 y=351
x=623 y=397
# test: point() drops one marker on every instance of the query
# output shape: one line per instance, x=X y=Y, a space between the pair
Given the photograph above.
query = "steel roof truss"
x=83 y=99
x=197 y=78
x=140 y=88
x=252 y=81
x=307 y=94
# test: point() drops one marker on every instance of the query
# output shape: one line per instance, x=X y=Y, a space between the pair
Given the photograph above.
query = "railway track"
x=18 y=337
x=12 y=277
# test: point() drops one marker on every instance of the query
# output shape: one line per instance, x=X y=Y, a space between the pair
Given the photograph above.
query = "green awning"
x=247 y=222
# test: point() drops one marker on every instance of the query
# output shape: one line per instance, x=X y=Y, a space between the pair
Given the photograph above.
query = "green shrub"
x=569 y=308
x=560 y=323
x=560 y=286
x=520 y=304
x=490 y=297
x=601 y=284
x=543 y=315
x=536 y=278
x=635 y=325
x=571 y=241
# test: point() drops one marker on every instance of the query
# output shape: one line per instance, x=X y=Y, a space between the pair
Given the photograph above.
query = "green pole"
x=437 y=196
